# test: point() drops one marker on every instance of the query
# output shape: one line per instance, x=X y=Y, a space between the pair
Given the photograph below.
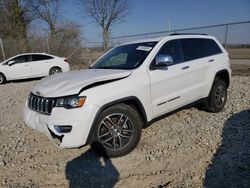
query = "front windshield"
x=128 y=56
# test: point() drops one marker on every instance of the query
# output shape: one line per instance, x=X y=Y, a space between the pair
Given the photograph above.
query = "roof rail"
x=173 y=34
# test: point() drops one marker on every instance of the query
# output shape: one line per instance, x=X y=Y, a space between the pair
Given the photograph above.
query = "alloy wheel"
x=220 y=96
x=55 y=71
x=115 y=131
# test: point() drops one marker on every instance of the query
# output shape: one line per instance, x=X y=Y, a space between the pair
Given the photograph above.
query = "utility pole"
x=1 y=43
x=169 y=28
x=225 y=41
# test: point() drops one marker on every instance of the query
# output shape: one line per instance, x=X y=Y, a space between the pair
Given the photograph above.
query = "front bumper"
x=80 y=119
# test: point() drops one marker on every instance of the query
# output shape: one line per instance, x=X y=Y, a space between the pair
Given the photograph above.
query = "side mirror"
x=164 y=60
x=10 y=63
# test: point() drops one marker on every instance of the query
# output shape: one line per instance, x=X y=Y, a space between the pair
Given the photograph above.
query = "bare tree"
x=18 y=18
x=66 y=39
x=106 y=13
x=48 y=11
x=16 y=15
x=15 y=19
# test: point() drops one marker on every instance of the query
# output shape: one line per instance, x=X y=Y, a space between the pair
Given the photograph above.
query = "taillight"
x=66 y=60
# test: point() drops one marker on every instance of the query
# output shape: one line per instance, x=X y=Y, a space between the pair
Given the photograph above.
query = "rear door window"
x=41 y=57
x=211 y=47
x=193 y=49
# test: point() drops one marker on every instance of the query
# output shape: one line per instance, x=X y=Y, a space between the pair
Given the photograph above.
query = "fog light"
x=63 y=128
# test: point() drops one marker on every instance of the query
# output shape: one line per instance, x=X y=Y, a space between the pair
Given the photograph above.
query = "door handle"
x=186 y=67
x=210 y=60
x=26 y=65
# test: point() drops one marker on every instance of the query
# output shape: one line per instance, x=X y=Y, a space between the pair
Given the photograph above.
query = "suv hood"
x=72 y=82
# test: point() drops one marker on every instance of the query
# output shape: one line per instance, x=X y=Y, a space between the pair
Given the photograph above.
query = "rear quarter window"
x=212 y=48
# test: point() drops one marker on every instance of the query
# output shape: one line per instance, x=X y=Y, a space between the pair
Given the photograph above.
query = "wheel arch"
x=3 y=75
x=223 y=75
x=132 y=101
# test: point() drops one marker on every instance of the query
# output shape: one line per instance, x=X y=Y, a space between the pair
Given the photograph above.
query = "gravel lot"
x=190 y=148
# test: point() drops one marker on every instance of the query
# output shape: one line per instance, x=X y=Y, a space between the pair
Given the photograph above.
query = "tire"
x=117 y=131
x=2 y=79
x=55 y=70
x=217 y=97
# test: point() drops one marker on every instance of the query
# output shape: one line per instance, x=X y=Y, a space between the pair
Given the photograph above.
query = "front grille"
x=40 y=104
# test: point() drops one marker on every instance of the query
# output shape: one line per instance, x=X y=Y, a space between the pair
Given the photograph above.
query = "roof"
x=28 y=54
x=36 y=53
x=171 y=36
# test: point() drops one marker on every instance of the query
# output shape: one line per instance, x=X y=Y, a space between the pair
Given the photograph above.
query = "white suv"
x=108 y=104
x=31 y=65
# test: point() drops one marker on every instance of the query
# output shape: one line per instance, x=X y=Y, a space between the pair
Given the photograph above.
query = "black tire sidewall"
x=54 y=68
x=137 y=123
x=211 y=102
x=3 y=78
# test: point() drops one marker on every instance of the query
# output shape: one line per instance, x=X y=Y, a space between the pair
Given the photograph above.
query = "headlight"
x=70 y=102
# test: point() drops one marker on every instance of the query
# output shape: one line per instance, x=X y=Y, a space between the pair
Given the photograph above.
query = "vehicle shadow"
x=24 y=80
x=230 y=165
x=91 y=170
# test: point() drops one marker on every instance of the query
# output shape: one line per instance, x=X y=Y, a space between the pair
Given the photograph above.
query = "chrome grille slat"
x=43 y=105
x=53 y=104
x=31 y=101
x=36 y=104
x=46 y=106
x=40 y=104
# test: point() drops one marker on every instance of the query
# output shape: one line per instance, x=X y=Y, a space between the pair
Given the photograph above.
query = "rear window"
x=193 y=49
x=41 y=57
x=211 y=46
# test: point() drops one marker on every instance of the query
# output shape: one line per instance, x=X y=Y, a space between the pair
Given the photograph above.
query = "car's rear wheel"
x=217 y=97
x=2 y=79
x=118 y=131
x=55 y=70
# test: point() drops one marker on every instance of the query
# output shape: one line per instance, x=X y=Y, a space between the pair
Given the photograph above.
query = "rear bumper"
x=65 y=67
x=80 y=119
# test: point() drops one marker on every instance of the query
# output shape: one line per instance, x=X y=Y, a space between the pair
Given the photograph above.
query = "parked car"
x=31 y=65
x=108 y=104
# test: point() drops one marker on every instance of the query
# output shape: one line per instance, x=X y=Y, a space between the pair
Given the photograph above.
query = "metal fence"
x=60 y=47
x=231 y=35
x=228 y=34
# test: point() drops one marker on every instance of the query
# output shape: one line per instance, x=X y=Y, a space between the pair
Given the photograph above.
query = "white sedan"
x=31 y=65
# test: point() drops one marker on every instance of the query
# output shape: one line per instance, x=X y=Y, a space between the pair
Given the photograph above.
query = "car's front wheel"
x=2 y=79
x=118 y=131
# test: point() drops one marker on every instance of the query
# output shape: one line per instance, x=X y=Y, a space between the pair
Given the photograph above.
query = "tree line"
x=30 y=25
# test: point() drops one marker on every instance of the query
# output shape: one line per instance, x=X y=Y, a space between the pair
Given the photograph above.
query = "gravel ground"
x=190 y=148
